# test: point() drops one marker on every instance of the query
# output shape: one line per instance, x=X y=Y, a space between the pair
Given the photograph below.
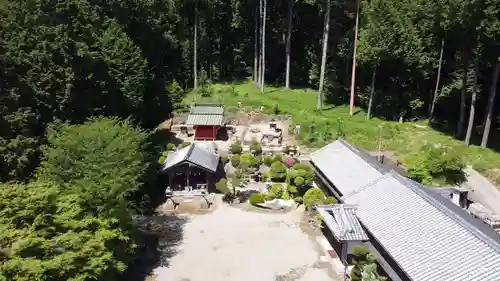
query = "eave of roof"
x=345 y=174
x=428 y=236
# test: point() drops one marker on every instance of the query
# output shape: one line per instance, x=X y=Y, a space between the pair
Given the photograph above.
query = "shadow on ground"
x=157 y=241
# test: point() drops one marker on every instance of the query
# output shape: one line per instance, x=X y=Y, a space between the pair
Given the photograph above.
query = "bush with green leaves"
x=163 y=157
x=108 y=160
x=291 y=189
x=257 y=198
x=299 y=181
x=236 y=147
x=78 y=205
x=170 y=146
x=255 y=147
x=275 y=191
x=224 y=159
x=247 y=159
x=298 y=199
x=235 y=161
x=285 y=196
x=314 y=196
x=302 y=175
x=50 y=226
x=361 y=258
x=268 y=160
x=330 y=200
x=222 y=187
x=436 y=163
x=278 y=172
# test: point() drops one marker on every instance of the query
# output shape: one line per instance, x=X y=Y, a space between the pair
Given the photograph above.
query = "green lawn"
x=320 y=128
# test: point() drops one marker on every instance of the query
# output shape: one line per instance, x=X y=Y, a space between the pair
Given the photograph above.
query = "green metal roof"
x=207 y=109
x=206 y=114
x=205 y=119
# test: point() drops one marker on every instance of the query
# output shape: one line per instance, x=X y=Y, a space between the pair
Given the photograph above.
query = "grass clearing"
x=321 y=127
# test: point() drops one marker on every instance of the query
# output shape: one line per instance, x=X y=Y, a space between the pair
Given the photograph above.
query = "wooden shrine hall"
x=192 y=167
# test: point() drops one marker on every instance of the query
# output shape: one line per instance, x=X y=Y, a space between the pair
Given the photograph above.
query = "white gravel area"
x=236 y=245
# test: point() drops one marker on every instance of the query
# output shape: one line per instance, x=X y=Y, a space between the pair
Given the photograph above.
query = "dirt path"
x=232 y=244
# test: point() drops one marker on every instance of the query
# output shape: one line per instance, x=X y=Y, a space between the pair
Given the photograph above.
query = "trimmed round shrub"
x=221 y=186
x=163 y=157
x=285 y=196
x=224 y=159
x=278 y=158
x=255 y=147
x=268 y=160
x=236 y=147
x=257 y=198
x=278 y=172
x=291 y=189
x=330 y=200
x=247 y=159
x=276 y=191
x=299 y=181
x=298 y=199
x=257 y=161
x=313 y=196
x=235 y=161
x=170 y=146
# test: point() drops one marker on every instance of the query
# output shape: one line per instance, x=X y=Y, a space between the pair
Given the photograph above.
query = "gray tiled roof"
x=194 y=154
x=428 y=236
x=346 y=167
x=342 y=221
x=205 y=119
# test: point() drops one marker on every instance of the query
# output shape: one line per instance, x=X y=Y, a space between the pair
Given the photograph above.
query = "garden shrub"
x=436 y=163
x=257 y=198
x=257 y=161
x=330 y=200
x=229 y=197
x=313 y=196
x=236 y=147
x=268 y=160
x=255 y=147
x=265 y=176
x=275 y=191
x=277 y=158
x=278 y=172
x=298 y=199
x=247 y=159
x=163 y=157
x=170 y=146
x=291 y=189
x=224 y=159
x=235 y=161
x=285 y=196
x=222 y=187
x=361 y=258
x=304 y=171
x=299 y=181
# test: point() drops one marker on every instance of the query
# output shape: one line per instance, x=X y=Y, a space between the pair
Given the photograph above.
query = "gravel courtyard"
x=232 y=244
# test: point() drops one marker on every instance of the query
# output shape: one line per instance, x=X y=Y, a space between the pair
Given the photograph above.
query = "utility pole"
x=195 y=53
x=353 y=75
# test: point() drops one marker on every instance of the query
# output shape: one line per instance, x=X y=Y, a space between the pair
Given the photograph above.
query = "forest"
x=83 y=83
